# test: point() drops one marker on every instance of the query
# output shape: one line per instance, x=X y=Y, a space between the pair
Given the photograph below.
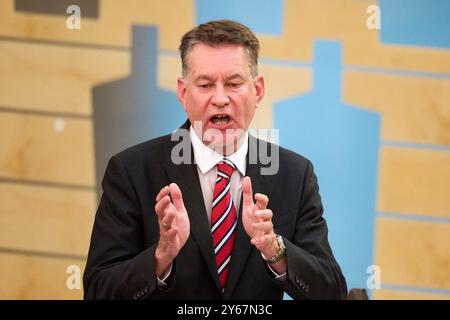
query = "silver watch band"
x=280 y=254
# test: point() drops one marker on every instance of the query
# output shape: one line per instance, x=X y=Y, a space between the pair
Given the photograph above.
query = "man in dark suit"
x=206 y=218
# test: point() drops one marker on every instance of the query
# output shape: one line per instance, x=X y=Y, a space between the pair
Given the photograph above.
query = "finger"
x=263 y=241
x=161 y=206
x=247 y=192
x=170 y=234
x=163 y=192
x=166 y=223
x=266 y=227
x=177 y=197
x=261 y=201
x=264 y=215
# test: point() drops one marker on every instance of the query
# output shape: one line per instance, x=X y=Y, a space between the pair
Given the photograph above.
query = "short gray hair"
x=221 y=32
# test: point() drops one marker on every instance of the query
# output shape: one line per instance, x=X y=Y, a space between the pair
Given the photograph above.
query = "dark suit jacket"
x=121 y=261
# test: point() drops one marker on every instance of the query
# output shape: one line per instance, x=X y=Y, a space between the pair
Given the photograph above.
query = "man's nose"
x=220 y=97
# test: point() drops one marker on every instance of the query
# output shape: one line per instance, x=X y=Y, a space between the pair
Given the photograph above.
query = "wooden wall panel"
x=33 y=150
x=113 y=28
x=34 y=277
x=414 y=181
x=413 y=109
x=47 y=219
x=304 y=21
x=413 y=253
x=65 y=74
x=345 y=21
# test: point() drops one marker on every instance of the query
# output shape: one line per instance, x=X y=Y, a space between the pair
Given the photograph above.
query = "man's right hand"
x=174 y=226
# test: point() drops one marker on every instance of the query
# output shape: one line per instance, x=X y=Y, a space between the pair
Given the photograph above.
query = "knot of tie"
x=225 y=168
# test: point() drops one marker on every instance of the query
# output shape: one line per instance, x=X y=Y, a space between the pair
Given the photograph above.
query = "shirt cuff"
x=161 y=282
x=279 y=277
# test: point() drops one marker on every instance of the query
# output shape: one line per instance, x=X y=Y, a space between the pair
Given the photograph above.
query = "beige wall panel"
x=413 y=109
x=34 y=277
x=345 y=21
x=33 y=150
x=407 y=295
x=55 y=78
x=413 y=253
x=370 y=52
x=304 y=21
x=414 y=181
x=308 y=20
x=56 y=220
x=113 y=27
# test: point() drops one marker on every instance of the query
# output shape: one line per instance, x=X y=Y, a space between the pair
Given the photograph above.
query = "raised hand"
x=174 y=226
x=257 y=220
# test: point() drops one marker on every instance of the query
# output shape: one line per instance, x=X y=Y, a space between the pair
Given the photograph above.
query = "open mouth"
x=220 y=119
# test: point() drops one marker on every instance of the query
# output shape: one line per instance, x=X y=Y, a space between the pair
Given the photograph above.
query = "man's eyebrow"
x=203 y=77
x=235 y=76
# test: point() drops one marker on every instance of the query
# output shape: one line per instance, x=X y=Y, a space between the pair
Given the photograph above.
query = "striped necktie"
x=223 y=219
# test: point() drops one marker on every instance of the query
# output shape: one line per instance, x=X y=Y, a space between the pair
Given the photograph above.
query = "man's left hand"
x=257 y=220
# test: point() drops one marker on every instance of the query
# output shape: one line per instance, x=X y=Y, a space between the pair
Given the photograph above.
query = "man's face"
x=219 y=94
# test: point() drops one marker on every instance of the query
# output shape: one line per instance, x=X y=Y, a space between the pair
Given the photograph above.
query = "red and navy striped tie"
x=223 y=219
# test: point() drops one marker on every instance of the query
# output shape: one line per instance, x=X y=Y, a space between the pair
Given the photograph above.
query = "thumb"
x=177 y=197
x=247 y=192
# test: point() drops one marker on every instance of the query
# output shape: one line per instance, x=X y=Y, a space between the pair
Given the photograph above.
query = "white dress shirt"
x=207 y=160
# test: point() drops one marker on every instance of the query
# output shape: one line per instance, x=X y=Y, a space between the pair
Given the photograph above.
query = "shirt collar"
x=206 y=158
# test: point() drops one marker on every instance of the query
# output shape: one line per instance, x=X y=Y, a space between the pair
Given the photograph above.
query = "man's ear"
x=181 y=91
x=260 y=89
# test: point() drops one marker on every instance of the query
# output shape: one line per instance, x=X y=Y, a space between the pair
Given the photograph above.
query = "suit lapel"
x=186 y=176
x=242 y=246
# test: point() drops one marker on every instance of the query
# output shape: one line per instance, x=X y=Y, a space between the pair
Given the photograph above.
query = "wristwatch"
x=280 y=254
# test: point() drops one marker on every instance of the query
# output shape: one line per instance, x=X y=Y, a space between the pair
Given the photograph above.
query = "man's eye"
x=234 y=84
x=204 y=85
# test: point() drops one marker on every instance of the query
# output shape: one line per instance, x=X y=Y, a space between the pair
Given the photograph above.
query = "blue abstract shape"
x=133 y=109
x=343 y=142
x=416 y=22
x=264 y=17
